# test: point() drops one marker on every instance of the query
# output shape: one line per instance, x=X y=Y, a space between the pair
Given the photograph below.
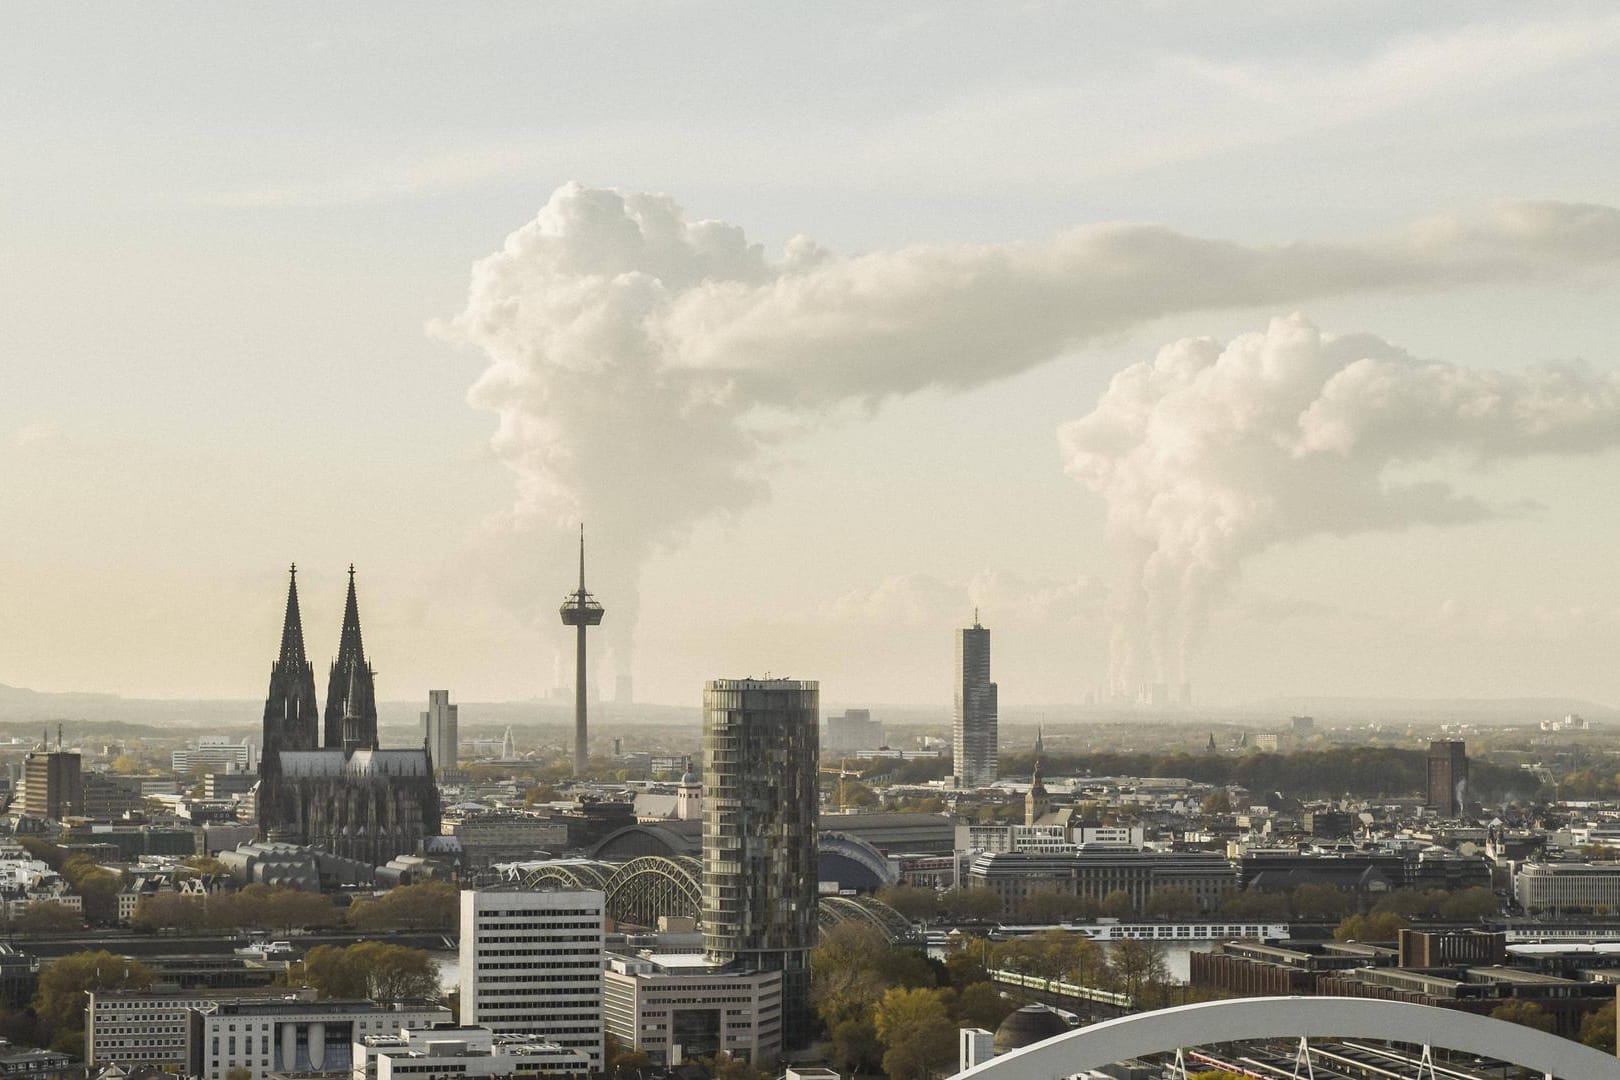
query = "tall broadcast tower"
x=579 y=610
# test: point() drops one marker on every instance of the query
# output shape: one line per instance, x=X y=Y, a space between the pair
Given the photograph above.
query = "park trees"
x=915 y=1025
x=59 y=1001
x=370 y=969
x=970 y=904
x=1527 y=1013
x=854 y=966
x=1118 y=905
x=430 y=905
x=1379 y=926
x=1598 y=1028
x=917 y=905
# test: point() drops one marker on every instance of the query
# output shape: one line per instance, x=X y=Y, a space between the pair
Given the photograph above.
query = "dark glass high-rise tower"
x=973 y=742
x=760 y=761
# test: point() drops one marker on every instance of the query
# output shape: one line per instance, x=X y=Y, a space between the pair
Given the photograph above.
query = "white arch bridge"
x=1297 y=1018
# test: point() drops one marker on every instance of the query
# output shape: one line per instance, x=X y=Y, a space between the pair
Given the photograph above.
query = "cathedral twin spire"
x=291 y=714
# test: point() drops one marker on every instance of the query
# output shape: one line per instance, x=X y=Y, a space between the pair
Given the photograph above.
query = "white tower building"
x=531 y=964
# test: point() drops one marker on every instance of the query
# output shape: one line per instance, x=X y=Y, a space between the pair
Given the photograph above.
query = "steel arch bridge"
x=833 y=910
x=1296 y=1018
x=641 y=890
x=644 y=888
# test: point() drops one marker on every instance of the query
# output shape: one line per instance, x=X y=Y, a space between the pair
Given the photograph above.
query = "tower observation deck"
x=580 y=610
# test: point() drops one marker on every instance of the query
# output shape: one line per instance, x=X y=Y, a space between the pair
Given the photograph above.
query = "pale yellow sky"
x=226 y=236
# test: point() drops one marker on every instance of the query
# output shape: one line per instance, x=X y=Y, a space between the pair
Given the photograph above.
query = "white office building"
x=214 y=753
x=262 y=1037
x=467 y=1052
x=147 y=1028
x=676 y=1007
x=531 y=964
x=1568 y=886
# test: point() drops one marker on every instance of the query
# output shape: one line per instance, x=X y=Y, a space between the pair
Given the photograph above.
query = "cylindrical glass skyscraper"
x=760 y=798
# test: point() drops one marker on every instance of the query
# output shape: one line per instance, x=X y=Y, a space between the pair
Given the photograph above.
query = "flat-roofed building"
x=150 y=1029
x=531 y=964
x=261 y=1036
x=678 y=1007
x=462 y=1052
x=1017 y=875
x=1584 y=886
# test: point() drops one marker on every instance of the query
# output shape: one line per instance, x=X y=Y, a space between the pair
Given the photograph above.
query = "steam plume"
x=1209 y=455
x=642 y=365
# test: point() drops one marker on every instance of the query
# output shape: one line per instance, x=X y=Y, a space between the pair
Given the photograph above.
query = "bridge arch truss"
x=1244 y=1019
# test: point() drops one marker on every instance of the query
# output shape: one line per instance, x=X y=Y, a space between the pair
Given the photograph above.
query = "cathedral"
x=323 y=781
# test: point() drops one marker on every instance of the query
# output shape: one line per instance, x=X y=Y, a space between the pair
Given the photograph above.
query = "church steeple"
x=1037 y=801
x=290 y=712
x=350 y=688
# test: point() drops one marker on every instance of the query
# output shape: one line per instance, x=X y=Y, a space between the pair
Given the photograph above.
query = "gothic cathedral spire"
x=290 y=711
x=350 y=688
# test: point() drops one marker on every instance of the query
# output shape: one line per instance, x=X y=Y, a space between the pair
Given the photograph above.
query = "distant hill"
x=88 y=713
x=1438 y=710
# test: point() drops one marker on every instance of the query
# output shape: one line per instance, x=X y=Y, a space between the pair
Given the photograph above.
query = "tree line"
x=1358 y=771
x=431 y=905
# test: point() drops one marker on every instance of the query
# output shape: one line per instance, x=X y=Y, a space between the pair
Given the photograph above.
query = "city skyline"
x=400 y=341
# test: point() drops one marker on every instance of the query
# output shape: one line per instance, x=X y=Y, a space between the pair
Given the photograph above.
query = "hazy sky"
x=240 y=325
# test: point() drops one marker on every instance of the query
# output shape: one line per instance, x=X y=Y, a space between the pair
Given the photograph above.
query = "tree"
x=1377 y=927
x=1253 y=904
x=1118 y=905
x=371 y=969
x=205 y=865
x=855 y=1046
x=1139 y=965
x=1470 y=905
x=620 y=1057
x=430 y=905
x=915 y=1027
x=854 y=966
x=1171 y=904
x=981 y=1005
x=1051 y=906
x=1597 y=1028
x=970 y=905
x=965 y=966
x=1321 y=902
x=917 y=905
x=326 y=969
x=59 y=1001
x=98 y=891
x=169 y=911
x=1527 y=1013
x=47 y=915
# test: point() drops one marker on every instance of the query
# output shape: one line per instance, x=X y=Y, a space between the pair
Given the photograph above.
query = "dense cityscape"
x=791 y=888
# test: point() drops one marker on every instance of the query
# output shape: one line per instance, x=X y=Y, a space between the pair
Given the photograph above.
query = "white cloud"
x=1211 y=454
x=644 y=366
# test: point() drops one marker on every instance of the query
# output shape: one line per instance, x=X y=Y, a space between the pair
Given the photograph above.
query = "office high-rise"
x=439 y=730
x=531 y=964
x=1448 y=777
x=760 y=758
x=974 y=733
